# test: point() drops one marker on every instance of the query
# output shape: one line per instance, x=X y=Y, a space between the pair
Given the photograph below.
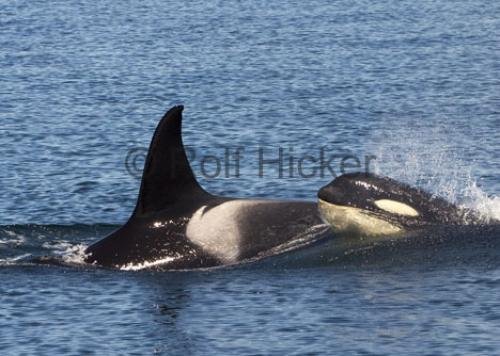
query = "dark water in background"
x=415 y=83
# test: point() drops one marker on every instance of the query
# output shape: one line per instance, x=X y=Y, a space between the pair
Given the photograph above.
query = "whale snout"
x=332 y=194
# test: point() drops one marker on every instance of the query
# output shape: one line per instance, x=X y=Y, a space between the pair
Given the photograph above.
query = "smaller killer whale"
x=176 y=224
x=371 y=205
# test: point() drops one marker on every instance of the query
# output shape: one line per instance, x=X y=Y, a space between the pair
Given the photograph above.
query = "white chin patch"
x=344 y=219
x=396 y=207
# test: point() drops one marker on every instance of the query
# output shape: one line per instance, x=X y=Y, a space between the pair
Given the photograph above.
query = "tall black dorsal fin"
x=167 y=176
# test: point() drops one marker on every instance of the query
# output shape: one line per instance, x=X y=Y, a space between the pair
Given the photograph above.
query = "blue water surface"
x=414 y=84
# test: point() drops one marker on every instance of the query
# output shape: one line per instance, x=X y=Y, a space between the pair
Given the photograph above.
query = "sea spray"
x=429 y=159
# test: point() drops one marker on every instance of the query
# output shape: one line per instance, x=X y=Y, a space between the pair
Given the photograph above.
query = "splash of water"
x=427 y=158
x=69 y=252
x=478 y=200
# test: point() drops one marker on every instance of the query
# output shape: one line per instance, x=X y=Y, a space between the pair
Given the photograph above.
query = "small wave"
x=75 y=254
x=11 y=238
x=14 y=260
x=69 y=252
x=64 y=244
x=41 y=231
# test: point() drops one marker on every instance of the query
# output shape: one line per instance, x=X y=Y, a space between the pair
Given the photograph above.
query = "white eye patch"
x=396 y=207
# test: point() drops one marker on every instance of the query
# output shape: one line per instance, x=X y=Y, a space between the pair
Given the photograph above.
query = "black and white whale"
x=371 y=205
x=176 y=224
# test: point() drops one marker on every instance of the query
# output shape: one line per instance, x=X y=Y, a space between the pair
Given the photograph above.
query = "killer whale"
x=176 y=224
x=372 y=205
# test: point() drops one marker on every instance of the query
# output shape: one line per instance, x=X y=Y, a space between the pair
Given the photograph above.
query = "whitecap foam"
x=478 y=200
x=13 y=260
x=11 y=238
x=75 y=254
x=69 y=252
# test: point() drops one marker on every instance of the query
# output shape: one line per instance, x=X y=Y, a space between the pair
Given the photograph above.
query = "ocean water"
x=413 y=85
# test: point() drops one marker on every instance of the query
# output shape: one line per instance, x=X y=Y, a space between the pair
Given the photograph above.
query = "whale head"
x=373 y=205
